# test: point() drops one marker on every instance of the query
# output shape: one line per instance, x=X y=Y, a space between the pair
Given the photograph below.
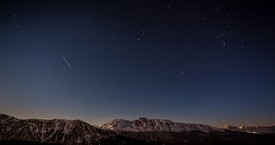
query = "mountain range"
x=267 y=129
x=124 y=132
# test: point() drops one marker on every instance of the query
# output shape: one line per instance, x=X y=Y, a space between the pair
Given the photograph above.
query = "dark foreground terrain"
x=22 y=142
x=168 y=138
x=189 y=138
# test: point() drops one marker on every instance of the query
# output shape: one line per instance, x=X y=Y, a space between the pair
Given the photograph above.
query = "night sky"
x=197 y=61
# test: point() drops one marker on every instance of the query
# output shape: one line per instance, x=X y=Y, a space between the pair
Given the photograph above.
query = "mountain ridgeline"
x=141 y=131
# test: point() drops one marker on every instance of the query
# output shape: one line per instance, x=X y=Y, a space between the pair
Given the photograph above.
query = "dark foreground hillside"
x=189 y=138
x=22 y=142
x=168 y=138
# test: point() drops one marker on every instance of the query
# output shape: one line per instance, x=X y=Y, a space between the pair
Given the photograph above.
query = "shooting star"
x=66 y=61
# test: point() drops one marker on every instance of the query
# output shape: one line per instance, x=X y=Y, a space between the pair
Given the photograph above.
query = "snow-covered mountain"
x=252 y=129
x=59 y=131
x=144 y=124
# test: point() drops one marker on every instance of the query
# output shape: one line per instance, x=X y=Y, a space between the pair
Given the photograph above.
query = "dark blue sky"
x=189 y=61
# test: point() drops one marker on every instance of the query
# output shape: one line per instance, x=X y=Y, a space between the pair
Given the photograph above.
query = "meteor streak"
x=66 y=61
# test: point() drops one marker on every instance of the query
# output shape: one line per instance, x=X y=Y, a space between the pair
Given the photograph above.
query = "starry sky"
x=197 y=61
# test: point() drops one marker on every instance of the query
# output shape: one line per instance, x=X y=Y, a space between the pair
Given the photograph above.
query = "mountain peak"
x=116 y=123
x=5 y=118
x=142 y=119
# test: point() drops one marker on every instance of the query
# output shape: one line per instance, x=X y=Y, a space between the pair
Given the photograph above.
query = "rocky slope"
x=144 y=124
